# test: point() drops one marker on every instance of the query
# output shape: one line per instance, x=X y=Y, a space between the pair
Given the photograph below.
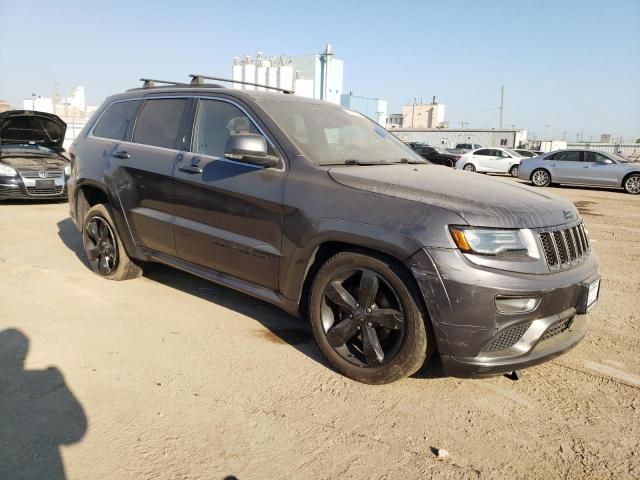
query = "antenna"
x=197 y=79
x=150 y=82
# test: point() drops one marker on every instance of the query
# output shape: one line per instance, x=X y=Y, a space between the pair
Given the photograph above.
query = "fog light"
x=511 y=305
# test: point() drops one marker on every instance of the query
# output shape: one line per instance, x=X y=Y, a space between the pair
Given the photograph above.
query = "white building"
x=317 y=76
x=450 y=137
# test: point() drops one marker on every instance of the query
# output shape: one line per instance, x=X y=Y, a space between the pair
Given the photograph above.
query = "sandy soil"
x=171 y=377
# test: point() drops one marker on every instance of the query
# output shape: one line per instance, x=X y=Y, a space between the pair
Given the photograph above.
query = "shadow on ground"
x=280 y=326
x=38 y=413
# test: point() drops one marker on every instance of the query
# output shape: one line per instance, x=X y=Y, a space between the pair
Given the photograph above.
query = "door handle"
x=190 y=168
x=121 y=154
x=586 y=166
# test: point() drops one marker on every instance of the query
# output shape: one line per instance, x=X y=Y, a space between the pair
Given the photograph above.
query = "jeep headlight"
x=7 y=171
x=495 y=242
x=67 y=170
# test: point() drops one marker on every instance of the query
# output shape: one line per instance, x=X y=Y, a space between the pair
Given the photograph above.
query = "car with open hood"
x=318 y=210
x=32 y=164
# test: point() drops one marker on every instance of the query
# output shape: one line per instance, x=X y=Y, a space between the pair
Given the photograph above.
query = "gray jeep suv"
x=322 y=212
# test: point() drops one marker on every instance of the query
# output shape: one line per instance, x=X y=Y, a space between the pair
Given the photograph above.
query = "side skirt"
x=258 y=292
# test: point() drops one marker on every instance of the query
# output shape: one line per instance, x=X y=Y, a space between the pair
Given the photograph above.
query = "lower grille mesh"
x=556 y=328
x=507 y=337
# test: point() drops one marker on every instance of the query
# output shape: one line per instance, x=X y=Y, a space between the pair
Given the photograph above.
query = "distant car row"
x=578 y=167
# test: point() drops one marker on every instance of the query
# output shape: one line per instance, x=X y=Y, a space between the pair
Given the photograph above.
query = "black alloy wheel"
x=366 y=317
x=100 y=246
x=362 y=318
x=104 y=249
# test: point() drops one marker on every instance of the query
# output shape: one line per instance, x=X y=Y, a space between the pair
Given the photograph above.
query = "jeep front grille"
x=507 y=337
x=564 y=247
x=557 y=327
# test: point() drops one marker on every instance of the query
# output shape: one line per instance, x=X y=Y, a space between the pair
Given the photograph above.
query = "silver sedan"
x=582 y=167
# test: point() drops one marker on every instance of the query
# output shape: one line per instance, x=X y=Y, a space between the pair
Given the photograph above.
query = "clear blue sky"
x=569 y=64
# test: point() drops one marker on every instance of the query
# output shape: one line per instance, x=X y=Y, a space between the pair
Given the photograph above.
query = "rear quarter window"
x=117 y=120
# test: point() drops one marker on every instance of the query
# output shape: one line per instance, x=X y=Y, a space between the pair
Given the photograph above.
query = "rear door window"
x=485 y=152
x=570 y=156
x=117 y=120
x=159 y=122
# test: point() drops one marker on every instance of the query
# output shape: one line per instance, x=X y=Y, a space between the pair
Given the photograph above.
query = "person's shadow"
x=38 y=413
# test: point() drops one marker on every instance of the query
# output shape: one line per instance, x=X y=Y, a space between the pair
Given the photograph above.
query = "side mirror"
x=249 y=148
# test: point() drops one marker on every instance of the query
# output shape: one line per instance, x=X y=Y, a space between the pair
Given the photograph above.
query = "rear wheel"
x=103 y=248
x=469 y=167
x=632 y=184
x=365 y=319
x=541 y=178
x=513 y=171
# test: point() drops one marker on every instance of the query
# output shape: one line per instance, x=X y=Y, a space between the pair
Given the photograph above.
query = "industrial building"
x=423 y=115
x=374 y=108
x=394 y=120
x=317 y=76
x=450 y=137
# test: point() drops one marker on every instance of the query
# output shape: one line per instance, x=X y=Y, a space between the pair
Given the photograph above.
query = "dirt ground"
x=171 y=377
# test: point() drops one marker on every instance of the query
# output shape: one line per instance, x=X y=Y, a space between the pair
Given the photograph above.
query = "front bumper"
x=476 y=340
x=16 y=188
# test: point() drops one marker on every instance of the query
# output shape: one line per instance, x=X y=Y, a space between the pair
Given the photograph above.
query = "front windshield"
x=331 y=135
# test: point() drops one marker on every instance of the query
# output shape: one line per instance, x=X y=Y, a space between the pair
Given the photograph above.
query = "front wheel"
x=513 y=171
x=540 y=178
x=103 y=249
x=366 y=320
x=632 y=184
x=469 y=167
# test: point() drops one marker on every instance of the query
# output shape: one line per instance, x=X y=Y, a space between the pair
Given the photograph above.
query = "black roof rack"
x=151 y=82
x=197 y=79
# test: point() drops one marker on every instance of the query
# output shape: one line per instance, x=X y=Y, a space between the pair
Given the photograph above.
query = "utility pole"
x=501 y=104
x=413 y=112
x=546 y=128
x=564 y=135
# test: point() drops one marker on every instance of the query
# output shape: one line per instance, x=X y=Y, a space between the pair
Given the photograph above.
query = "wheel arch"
x=327 y=249
x=634 y=172
x=87 y=195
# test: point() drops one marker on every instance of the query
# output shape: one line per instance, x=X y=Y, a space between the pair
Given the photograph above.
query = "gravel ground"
x=171 y=377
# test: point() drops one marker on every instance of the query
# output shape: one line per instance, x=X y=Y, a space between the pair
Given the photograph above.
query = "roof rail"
x=197 y=79
x=150 y=82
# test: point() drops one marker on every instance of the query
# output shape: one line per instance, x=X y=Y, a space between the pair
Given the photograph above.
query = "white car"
x=490 y=160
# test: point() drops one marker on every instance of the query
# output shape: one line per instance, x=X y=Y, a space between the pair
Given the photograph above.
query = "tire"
x=541 y=177
x=469 y=167
x=404 y=344
x=103 y=248
x=448 y=163
x=513 y=171
x=631 y=184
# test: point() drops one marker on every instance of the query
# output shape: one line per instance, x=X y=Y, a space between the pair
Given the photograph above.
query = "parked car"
x=435 y=155
x=31 y=162
x=463 y=148
x=491 y=160
x=325 y=214
x=526 y=153
x=582 y=167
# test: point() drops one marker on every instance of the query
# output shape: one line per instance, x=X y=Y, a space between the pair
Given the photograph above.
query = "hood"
x=478 y=199
x=30 y=127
